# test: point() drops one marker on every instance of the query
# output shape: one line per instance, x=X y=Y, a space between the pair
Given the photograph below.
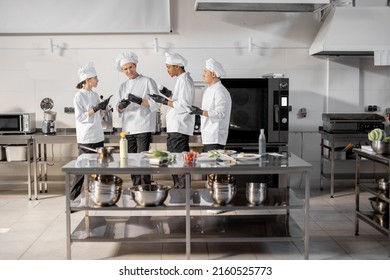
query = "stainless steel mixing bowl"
x=105 y=190
x=381 y=147
x=222 y=193
x=149 y=195
x=378 y=205
x=256 y=193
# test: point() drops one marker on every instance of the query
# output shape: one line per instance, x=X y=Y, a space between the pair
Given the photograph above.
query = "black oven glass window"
x=249 y=113
x=10 y=123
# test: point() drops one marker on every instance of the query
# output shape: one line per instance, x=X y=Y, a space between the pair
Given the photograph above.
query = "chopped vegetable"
x=160 y=154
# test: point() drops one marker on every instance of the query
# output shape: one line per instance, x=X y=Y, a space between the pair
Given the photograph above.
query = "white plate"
x=245 y=157
x=205 y=158
x=225 y=152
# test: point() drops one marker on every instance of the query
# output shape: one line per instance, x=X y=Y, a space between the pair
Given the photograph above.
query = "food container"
x=380 y=147
x=256 y=193
x=17 y=153
x=149 y=194
x=339 y=155
x=2 y=153
x=222 y=193
x=378 y=205
x=105 y=190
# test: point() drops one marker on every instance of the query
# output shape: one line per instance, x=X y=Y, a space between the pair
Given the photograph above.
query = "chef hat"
x=175 y=59
x=87 y=71
x=216 y=67
x=124 y=58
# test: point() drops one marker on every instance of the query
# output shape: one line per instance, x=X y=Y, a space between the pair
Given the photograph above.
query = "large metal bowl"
x=149 y=195
x=378 y=205
x=105 y=190
x=256 y=193
x=222 y=193
x=381 y=147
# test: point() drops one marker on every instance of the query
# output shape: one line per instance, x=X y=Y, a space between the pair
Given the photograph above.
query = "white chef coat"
x=89 y=129
x=138 y=118
x=178 y=119
x=218 y=103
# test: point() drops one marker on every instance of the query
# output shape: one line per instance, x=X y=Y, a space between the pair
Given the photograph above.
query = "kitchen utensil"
x=149 y=194
x=46 y=104
x=105 y=190
x=378 y=205
x=222 y=193
x=103 y=152
x=381 y=147
x=383 y=184
x=220 y=178
x=49 y=117
x=256 y=193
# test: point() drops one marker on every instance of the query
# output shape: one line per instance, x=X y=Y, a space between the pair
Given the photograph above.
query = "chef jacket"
x=178 y=119
x=218 y=103
x=89 y=129
x=138 y=118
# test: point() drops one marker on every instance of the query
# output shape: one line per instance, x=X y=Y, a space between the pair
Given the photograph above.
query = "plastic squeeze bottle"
x=123 y=145
x=262 y=143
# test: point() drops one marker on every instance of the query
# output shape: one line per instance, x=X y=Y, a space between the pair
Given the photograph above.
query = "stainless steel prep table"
x=68 y=136
x=381 y=222
x=28 y=141
x=114 y=228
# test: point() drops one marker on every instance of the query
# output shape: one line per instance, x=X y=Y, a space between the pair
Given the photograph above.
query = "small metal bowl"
x=378 y=205
x=149 y=195
x=222 y=193
x=381 y=147
x=383 y=184
x=105 y=190
x=256 y=193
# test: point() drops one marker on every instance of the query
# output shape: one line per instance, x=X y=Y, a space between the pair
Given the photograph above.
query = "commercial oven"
x=258 y=103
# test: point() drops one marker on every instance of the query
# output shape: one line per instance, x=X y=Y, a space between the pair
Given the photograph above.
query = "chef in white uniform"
x=137 y=110
x=216 y=108
x=180 y=125
x=89 y=111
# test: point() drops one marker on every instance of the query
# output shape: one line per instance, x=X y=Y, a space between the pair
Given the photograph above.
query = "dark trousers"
x=79 y=179
x=177 y=143
x=139 y=143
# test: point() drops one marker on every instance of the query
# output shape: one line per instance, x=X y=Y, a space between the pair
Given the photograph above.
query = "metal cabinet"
x=338 y=165
x=380 y=223
x=242 y=223
x=30 y=178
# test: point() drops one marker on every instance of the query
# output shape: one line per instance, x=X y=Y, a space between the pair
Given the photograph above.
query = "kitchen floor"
x=35 y=230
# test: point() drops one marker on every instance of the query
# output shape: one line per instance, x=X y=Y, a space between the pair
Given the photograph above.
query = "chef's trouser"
x=139 y=143
x=209 y=147
x=79 y=179
x=177 y=143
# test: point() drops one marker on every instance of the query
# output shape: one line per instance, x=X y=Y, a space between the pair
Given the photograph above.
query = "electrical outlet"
x=69 y=110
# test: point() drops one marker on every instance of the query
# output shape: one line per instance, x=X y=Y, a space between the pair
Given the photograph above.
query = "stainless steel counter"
x=137 y=164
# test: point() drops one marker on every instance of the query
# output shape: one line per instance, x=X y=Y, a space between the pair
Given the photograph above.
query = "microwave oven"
x=17 y=123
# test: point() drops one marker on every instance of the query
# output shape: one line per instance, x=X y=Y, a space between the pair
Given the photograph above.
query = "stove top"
x=352 y=122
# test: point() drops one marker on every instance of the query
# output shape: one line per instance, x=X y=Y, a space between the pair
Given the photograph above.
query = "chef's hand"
x=165 y=91
x=135 y=99
x=123 y=104
x=193 y=110
x=101 y=106
x=159 y=99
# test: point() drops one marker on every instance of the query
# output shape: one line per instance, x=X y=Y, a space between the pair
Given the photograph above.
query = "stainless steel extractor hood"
x=353 y=31
x=260 y=5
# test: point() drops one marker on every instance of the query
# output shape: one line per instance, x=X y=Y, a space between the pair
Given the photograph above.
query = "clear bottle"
x=123 y=146
x=262 y=143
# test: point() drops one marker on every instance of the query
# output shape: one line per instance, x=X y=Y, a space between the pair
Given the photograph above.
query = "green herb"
x=160 y=154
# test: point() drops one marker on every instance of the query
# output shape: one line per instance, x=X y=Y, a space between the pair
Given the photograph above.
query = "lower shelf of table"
x=379 y=222
x=152 y=229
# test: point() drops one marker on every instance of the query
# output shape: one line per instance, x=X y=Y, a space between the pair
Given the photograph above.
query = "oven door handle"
x=276 y=113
